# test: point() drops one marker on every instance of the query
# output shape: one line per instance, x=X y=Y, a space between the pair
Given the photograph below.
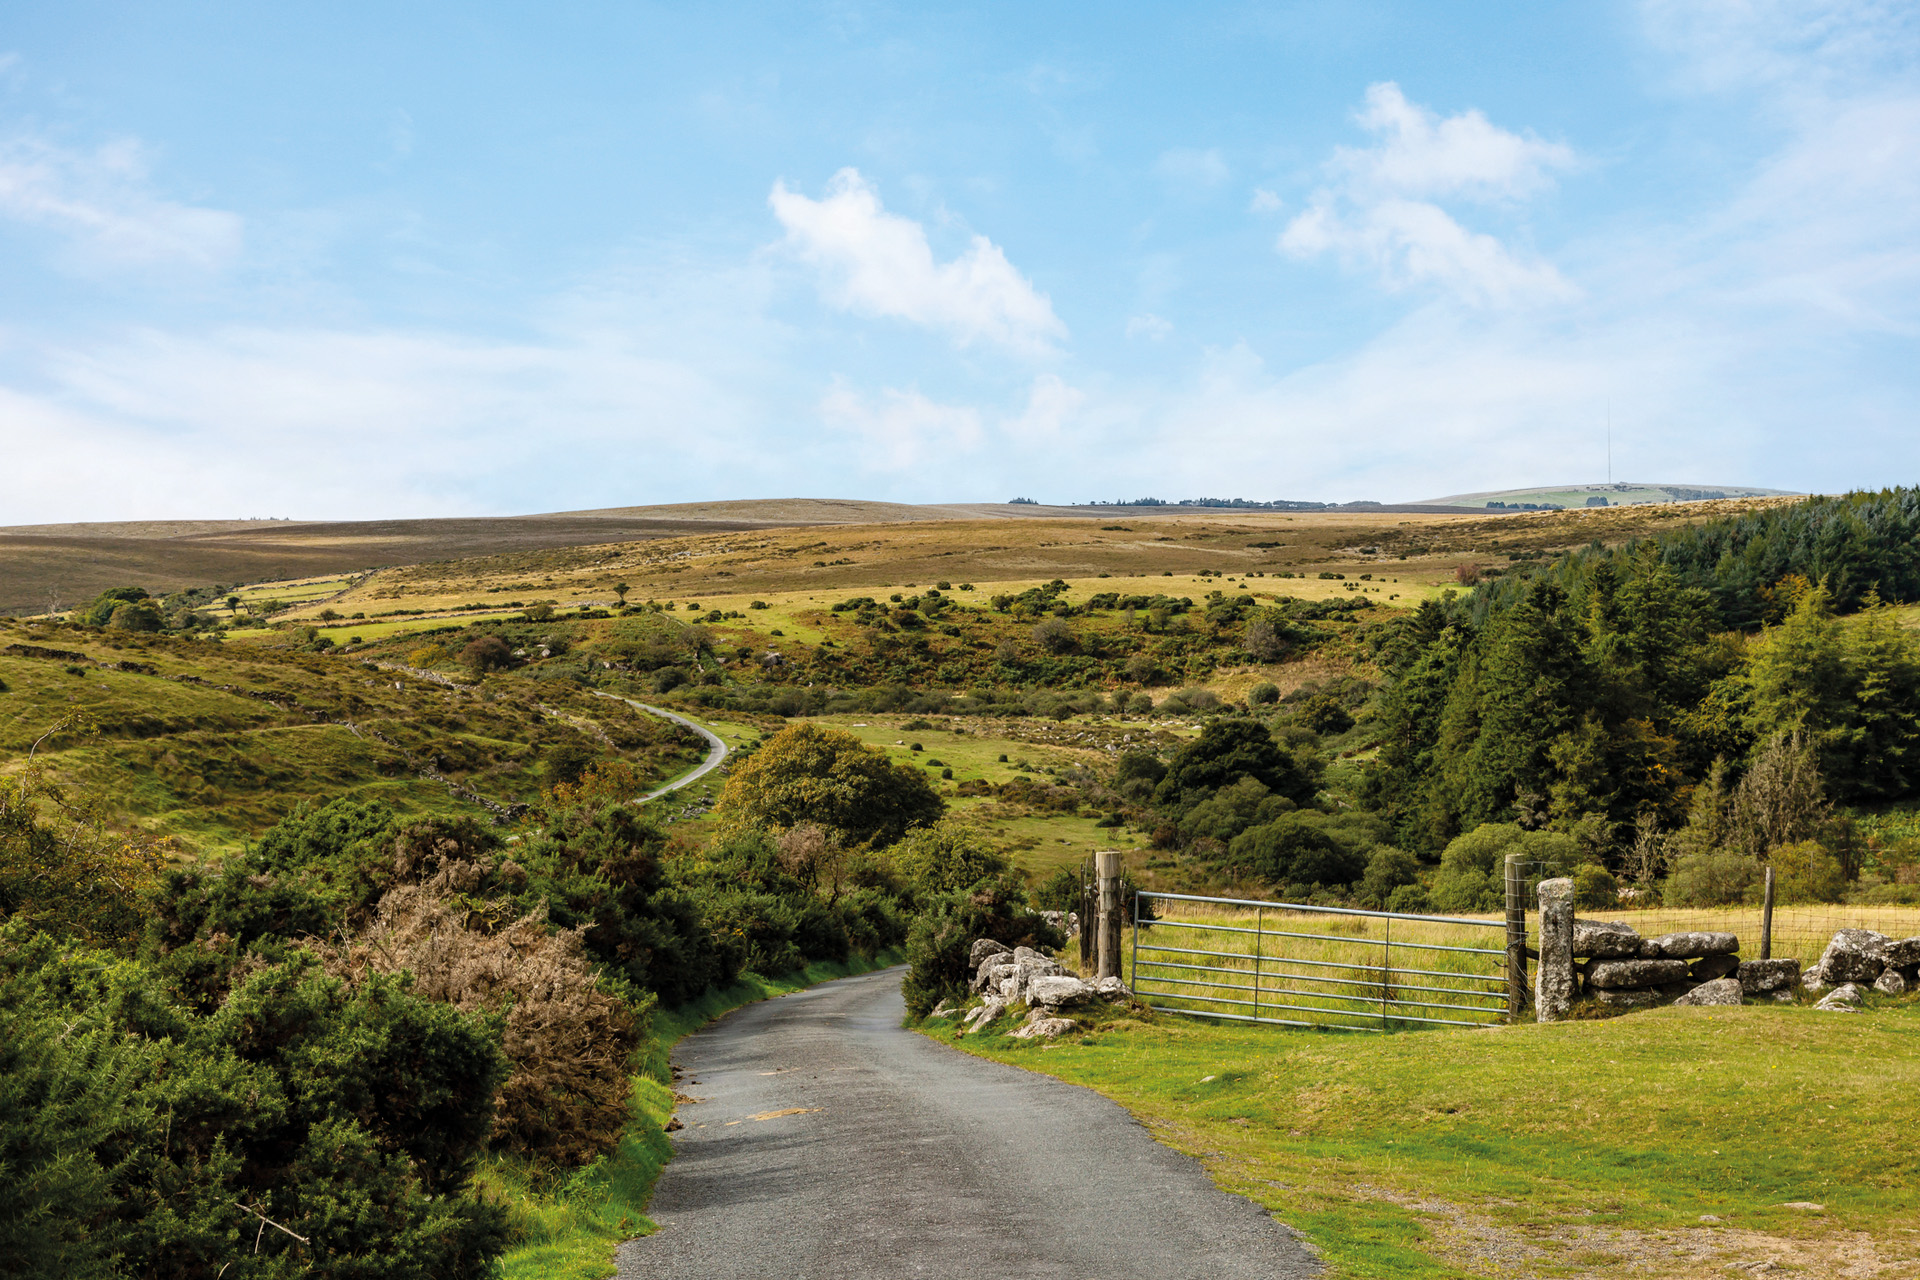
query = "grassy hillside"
x=212 y=743
x=218 y=740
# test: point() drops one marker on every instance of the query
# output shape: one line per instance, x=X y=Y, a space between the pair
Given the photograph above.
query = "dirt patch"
x=1475 y=1242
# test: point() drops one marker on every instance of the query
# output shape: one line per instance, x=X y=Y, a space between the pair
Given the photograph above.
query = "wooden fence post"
x=1089 y=915
x=1766 y=919
x=1106 y=868
x=1516 y=886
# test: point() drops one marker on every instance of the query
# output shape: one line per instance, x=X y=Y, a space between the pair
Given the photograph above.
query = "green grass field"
x=1663 y=1143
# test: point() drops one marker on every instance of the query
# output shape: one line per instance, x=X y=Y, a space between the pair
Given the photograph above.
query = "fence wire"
x=1800 y=931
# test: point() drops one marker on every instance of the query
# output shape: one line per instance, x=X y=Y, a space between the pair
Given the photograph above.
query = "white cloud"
x=1796 y=46
x=1149 y=326
x=1192 y=168
x=103 y=203
x=902 y=430
x=1265 y=201
x=1374 y=212
x=1052 y=406
x=1422 y=154
x=1413 y=242
x=905 y=432
x=880 y=263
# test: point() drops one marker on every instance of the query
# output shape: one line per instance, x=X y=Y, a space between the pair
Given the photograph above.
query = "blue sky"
x=354 y=260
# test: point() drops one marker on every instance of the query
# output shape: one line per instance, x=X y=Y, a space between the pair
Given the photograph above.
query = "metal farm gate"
x=1335 y=968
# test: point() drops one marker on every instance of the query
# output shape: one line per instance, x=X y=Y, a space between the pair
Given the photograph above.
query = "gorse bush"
x=351 y=1118
x=570 y=1041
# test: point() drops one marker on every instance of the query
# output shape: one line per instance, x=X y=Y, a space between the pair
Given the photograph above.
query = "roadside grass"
x=568 y=1228
x=1578 y=1148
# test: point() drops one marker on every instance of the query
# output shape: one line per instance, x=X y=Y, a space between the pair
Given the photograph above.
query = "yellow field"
x=791 y=569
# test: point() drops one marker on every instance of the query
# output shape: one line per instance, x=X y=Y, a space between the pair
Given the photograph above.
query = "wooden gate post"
x=1516 y=885
x=1089 y=917
x=1106 y=868
x=1766 y=919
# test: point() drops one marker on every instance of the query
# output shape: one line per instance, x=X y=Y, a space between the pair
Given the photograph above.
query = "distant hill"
x=1624 y=493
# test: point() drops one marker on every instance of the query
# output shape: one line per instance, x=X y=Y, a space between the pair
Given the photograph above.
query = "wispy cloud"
x=1192 y=168
x=903 y=432
x=1378 y=210
x=880 y=263
x=103 y=203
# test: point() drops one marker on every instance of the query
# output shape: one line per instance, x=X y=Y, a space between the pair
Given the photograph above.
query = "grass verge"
x=1665 y=1143
x=567 y=1228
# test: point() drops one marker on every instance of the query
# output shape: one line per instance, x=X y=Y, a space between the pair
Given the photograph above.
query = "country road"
x=831 y=1144
x=716 y=747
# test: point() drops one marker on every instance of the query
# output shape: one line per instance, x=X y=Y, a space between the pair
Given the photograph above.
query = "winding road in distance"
x=716 y=747
x=830 y=1143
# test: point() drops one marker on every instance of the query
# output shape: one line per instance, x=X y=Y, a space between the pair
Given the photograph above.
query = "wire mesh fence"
x=1297 y=965
x=1800 y=931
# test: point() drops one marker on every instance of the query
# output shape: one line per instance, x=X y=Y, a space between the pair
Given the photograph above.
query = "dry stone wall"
x=1614 y=965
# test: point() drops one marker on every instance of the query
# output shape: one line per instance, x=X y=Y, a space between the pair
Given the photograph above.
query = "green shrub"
x=948 y=857
x=1324 y=714
x=1806 y=872
x=1388 y=871
x=352 y=1116
x=1263 y=694
x=1711 y=878
x=1411 y=899
x=1296 y=849
x=1472 y=871
x=1226 y=751
x=1594 y=888
x=1233 y=809
x=809 y=773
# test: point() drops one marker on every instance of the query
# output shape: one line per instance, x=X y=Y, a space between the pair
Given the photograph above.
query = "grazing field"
x=1665 y=1144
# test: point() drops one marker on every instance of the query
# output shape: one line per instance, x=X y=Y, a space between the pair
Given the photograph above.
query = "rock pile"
x=1067 y=922
x=1863 y=957
x=1005 y=976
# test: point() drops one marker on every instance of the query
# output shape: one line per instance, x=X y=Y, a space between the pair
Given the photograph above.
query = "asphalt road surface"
x=831 y=1144
x=716 y=747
